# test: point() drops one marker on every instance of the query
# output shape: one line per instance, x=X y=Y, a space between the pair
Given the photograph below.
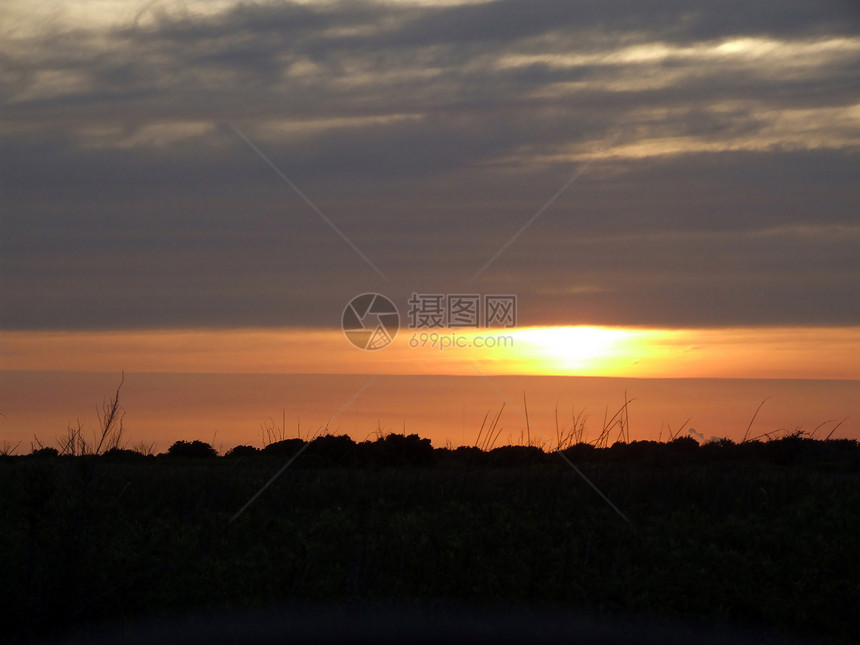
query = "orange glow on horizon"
x=799 y=353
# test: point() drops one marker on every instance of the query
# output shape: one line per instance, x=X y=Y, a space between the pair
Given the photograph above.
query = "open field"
x=761 y=535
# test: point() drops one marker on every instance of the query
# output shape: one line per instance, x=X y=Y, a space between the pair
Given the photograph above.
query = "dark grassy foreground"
x=761 y=535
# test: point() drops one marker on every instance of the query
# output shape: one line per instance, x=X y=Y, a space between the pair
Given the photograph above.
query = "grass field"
x=760 y=534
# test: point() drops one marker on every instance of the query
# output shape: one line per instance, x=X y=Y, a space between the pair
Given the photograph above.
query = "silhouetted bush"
x=515 y=455
x=47 y=451
x=468 y=451
x=242 y=451
x=330 y=450
x=580 y=452
x=123 y=454
x=411 y=450
x=752 y=450
x=287 y=447
x=636 y=450
x=684 y=444
x=195 y=449
x=719 y=450
x=400 y=450
x=469 y=455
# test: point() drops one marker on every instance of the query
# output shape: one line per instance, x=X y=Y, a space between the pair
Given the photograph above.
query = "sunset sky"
x=202 y=186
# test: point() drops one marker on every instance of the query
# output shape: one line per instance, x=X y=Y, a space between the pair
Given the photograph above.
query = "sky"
x=429 y=134
x=228 y=170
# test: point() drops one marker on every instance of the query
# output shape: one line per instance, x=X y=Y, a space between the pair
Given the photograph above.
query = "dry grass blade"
x=616 y=419
x=493 y=434
x=110 y=421
x=818 y=427
x=830 y=434
x=747 y=433
x=674 y=435
x=579 y=420
x=481 y=431
x=7 y=449
x=272 y=433
x=627 y=403
x=528 y=425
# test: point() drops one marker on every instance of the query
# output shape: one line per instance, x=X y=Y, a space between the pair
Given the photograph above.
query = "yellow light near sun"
x=575 y=350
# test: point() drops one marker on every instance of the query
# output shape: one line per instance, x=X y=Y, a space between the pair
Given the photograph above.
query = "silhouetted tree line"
x=411 y=450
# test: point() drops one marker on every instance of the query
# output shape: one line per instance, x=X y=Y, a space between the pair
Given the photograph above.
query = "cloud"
x=430 y=134
x=695 y=433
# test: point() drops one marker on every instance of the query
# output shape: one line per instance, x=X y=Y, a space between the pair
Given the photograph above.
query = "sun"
x=574 y=350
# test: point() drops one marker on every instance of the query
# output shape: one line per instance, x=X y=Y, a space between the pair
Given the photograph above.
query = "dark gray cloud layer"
x=430 y=135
